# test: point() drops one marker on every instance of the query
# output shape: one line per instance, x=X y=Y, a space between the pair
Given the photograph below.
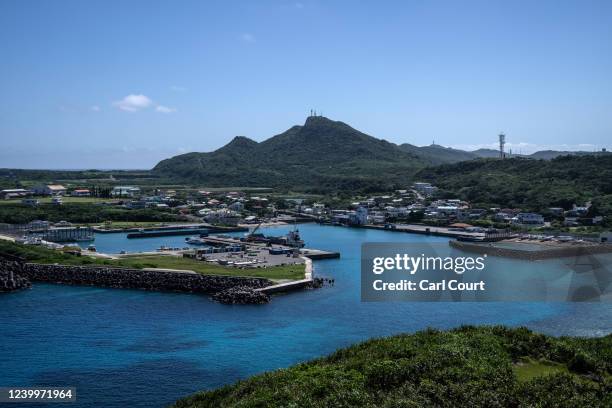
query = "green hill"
x=437 y=154
x=322 y=154
x=466 y=367
x=527 y=183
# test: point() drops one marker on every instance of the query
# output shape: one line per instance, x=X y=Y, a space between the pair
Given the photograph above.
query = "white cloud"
x=133 y=103
x=164 y=109
x=95 y=108
x=247 y=37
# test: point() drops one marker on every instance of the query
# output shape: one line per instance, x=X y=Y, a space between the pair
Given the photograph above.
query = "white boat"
x=195 y=241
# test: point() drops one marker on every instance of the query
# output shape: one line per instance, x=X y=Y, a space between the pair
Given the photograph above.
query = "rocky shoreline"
x=10 y=279
x=241 y=295
x=226 y=289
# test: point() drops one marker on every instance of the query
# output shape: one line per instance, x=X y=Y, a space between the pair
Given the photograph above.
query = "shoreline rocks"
x=241 y=295
x=10 y=280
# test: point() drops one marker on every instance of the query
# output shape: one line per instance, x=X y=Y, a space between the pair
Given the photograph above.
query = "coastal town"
x=419 y=207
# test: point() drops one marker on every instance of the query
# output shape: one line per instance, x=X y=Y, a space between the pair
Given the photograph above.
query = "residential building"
x=50 y=189
x=528 y=219
x=125 y=191
x=14 y=193
x=81 y=192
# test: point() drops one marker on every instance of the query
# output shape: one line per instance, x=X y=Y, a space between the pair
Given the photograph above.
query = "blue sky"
x=123 y=84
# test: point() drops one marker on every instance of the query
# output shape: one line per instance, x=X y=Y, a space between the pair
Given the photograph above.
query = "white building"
x=125 y=191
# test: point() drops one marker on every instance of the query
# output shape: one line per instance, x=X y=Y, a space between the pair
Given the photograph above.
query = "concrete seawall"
x=132 y=278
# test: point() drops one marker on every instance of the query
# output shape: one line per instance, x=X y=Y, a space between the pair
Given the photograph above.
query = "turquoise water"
x=114 y=243
x=125 y=348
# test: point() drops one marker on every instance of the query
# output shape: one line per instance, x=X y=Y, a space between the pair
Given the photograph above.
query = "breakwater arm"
x=136 y=278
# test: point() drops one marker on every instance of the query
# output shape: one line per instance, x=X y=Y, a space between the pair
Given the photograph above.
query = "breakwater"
x=137 y=278
x=133 y=278
x=533 y=255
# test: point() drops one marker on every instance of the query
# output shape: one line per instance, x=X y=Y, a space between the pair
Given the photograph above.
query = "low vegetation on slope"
x=466 y=367
x=528 y=184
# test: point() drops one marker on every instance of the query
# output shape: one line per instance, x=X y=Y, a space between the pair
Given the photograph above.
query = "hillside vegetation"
x=322 y=155
x=466 y=367
x=528 y=184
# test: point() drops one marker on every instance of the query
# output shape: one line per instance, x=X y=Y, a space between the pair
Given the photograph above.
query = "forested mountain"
x=528 y=183
x=322 y=154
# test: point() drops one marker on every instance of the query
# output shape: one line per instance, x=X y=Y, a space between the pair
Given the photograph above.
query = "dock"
x=314 y=254
x=424 y=230
x=151 y=234
x=293 y=285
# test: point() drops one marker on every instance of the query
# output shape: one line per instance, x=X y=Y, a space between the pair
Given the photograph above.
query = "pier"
x=314 y=254
x=424 y=230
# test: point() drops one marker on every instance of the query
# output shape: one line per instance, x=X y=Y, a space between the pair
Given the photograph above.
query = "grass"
x=529 y=369
x=465 y=367
x=292 y=272
x=38 y=254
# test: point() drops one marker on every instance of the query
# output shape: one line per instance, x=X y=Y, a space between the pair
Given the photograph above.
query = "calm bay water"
x=143 y=349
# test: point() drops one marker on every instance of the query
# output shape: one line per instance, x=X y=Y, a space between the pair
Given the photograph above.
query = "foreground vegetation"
x=38 y=254
x=466 y=367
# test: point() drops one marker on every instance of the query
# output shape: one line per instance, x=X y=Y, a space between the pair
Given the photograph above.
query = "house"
x=556 y=211
x=236 y=206
x=528 y=219
x=571 y=222
x=81 y=192
x=222 y=217
x=577 y=211
x=50 y=189
x=425 y=188
x=14 y=193
x=125 y=191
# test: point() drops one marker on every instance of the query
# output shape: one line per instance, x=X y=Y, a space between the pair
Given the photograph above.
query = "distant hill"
x=322 y=154
x=527 y=183
x=437 y=154
x=486 y=153
x=551 y=154
x=325 y=155
x=541 y=154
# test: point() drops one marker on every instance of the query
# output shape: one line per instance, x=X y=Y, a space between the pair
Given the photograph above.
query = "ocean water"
x=125 y=348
